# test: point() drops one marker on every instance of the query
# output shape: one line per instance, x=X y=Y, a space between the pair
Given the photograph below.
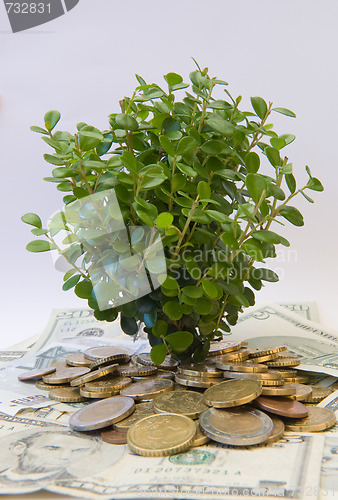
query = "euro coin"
x=65 y=375
x=299 y=379
x=303 y=392
x=282 y=390
x=283 y=362
x=95 y=394
x=108 y=383
x=241 y=426
x=133 y=371
x=36 y=374
x=117 y=358
x=161 y=435
x=232 y=393
x=286 y=373
x=101 y=413
x=199 y=382
x=241 y=355
x=65 y=395
x=282 y=406
x=277 y=430
x=111 y=436
x=318 y=394
x=39 y=384
x=223 y=346
x=166 y=374
x=188 y=403
x=266 y=352
x=168 y=364
x=204 y=370
x=244 y=366
x=78 y=359
x=142 y=410
x=97 y=353
x=200 y=438
x=318 y=419
x=147 y=390
x=102 y=372
x=266 y=358
x=264 y=378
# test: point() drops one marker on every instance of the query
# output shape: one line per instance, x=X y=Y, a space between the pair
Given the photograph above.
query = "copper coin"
x=64 y=375
x=88 y=377
x=78 y=359
x=114 y=437
x=36 y=374
x=102 y=413
x=96 y=353
x=282 y=406
x=318 y=419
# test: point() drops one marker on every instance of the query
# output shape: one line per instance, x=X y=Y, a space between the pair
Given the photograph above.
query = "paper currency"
x=268 y=324
x=37 y=454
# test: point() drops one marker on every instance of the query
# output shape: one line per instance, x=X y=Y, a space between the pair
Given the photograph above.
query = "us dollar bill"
x=268 y=325
x=43 y=455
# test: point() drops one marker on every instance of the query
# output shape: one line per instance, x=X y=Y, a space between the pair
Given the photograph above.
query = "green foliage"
x=188 y=170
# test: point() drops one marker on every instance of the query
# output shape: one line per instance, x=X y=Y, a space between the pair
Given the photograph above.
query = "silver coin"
x=96 y=353
x=102 y=413
x=236 y=426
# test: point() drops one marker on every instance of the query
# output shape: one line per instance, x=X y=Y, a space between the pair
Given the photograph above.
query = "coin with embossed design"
x=144 y=391
x=188 y=403
x=66 y=394
x=97 y=353
x=65 y=375
x=102 y=372
x=36 y=374
x=78 y=359
x=161 y=435
x=232 y=393
x=142 y=410
x=223 y=346
x=318 y=419
x=108 y=383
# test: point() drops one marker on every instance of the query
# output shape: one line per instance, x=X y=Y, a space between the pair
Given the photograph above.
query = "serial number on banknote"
x=28 y=8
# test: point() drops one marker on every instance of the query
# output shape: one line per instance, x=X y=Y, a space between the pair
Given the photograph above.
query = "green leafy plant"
x=188 y=174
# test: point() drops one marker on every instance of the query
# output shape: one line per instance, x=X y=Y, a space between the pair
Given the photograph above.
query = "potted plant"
x=178 y=182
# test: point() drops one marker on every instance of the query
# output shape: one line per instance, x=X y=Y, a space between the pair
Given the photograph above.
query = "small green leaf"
x=158 y=353
x=256 y=185
x=83 y=289
x=39 y=246
x=173 y=79
x=290 y=182
x=217 y=216
x=173 y=310
x=252 y=162
x=260 y=106
x=186 y=145
x=71 y=282
x=54 y=160
x=51 y=118
x=270 y=237
x=32 y=219
x=89 y=138
x=193 y=292
x=39 y=232
x=185 y=169
x=273 y=156
x=170 y=283
x=179 y=341
x=167 y=145
x=230 y=241
x=160 y=328
x=204 y=190
x=285 y=111
x=164 y=220
x=129 y=325
x=39 y=130
x=62 y=172
x=310 y=200
x=277 y=142
x=293 y=215
x=315 y=184
x=220 y=125
x=126 y=121
x=265 y=275
x=209 y=288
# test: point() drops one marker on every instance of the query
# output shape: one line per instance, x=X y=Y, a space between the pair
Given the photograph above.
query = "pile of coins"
x=237 y=396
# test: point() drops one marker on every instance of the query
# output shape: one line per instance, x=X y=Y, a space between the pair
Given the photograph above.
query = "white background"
x=84 y=62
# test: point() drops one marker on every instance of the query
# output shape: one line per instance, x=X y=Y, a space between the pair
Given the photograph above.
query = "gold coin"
x=97 y=395
x=318 y=394
x=287 y=354
x=101 y=413
x=203 y=383
x=266 y=352
x=142 y=410
x=188 y=403
x=266 y=358
x=285 y=372
x=296 y=380
x=145 y=359
x=117 y=358
x=65 y=375
x=39 y=384
x=303 y=392
x=284 y=362
x=65 y=395
x=133 y=360
x=147 y=390
x=232 y=393
x=199 y=438
x=109 y=383
x=133 y=371
x=241 y=355
x=223 y=346
x=94 y=375
x=36 y=374
x=265 y=378
x=281 y=390
x=318 y=419
x=243 y=366
x=242 y=426
x=204 y=370
x=78 y=359
x=277 y=431
x=161 y=435
x=97 y=353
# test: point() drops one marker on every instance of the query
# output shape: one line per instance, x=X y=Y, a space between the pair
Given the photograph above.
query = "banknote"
x=268 y=325
x=40 y=454
x=308 y=310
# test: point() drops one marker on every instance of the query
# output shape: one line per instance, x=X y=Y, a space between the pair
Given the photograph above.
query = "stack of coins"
x=237 y=396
